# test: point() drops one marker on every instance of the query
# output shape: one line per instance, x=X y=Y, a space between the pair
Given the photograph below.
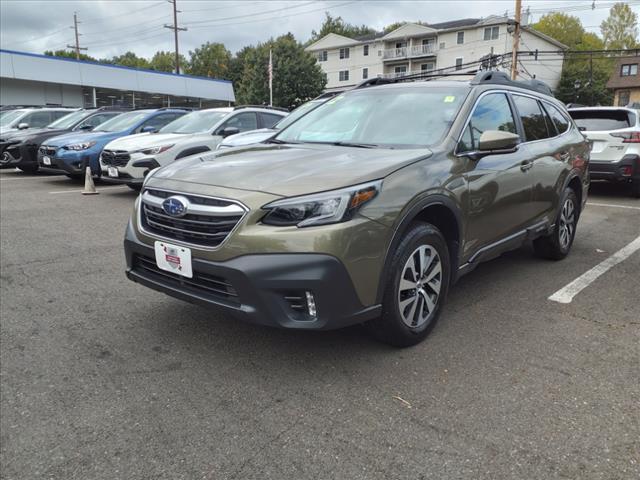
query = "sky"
x=112 y=27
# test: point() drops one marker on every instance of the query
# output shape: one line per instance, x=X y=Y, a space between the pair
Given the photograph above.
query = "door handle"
x=526 y=165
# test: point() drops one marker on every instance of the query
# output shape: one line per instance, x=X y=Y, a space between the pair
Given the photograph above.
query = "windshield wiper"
x=277 y=141
x=357 y=145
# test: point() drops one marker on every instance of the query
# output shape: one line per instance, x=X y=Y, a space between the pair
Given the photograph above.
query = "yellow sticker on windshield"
x=449 y=99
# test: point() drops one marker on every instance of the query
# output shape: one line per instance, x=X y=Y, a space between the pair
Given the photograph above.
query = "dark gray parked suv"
x=367 y=209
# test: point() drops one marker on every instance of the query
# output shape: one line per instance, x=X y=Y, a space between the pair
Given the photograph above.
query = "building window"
x=624 y=98
x=365 y=73
x=459 y=63
x=460 y=39
x=365 y=51
x=628 y=70
x=344 y=53
x=441 y=45
x=400 y=71
x=401 y=44
x=427 y=67
x=322 y=56
x=491 y=33
x=344 y=75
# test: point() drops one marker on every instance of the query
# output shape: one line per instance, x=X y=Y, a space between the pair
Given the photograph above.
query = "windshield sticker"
x=449 y=99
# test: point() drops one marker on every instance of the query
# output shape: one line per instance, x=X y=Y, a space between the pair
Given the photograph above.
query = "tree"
x=166 y=62
x=210 y=60
x=236 y=66
x=130 y=59
x=338 y=26
x=564 y=28
x=297 y=77
x=620 y=29
x=69 y=54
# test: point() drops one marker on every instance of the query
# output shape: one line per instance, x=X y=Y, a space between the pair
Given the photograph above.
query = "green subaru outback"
x=367 y=209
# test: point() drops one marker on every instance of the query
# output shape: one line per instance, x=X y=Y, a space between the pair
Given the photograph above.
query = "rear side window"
x=533 y=118
x=595 y=120
x=558 y=119
x=243 y=121
x=269 y=119
x=491 y=113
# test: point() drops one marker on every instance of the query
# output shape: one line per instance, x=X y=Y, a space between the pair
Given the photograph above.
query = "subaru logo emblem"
x=176 y=206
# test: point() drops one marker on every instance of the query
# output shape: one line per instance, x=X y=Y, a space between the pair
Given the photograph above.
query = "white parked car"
x=262 y=134
x=128 y=159
x=615 y=136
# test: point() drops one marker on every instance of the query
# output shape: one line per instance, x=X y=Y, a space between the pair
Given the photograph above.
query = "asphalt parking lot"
x=104 y=379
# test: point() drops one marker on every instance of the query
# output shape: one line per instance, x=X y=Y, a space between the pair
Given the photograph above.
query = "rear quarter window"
x=597 y=120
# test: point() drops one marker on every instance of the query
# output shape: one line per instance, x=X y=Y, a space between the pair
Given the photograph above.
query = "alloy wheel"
x=567 y=223
x=420 y=285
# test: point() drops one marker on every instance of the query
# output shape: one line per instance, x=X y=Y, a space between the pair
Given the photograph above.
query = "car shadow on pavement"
x=610 y=189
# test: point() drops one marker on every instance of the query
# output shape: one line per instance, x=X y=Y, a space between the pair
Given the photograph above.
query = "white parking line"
x=79 y=190
x=611 y=205
x=566 y=293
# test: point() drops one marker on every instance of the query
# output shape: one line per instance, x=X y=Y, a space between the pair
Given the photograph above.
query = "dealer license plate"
x=46 y=160
x=112 y=172
x=174 y=259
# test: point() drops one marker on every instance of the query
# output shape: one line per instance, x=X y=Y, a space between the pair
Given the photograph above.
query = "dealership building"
x=32 y=79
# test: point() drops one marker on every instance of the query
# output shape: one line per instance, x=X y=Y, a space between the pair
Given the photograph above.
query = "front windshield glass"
x=122 y=122
x=10 y=116
x=70 y=120
x=194 y=122
x=399 y=117
x=297 y=113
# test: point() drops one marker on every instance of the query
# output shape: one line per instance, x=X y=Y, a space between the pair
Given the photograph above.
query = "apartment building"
x=417 y=47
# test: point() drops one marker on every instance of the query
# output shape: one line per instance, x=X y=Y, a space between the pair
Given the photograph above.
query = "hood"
x=248 y=138
x=26 y=135
x=138 y=141
x=79 y=137
x=5 y=131
x=290 y=170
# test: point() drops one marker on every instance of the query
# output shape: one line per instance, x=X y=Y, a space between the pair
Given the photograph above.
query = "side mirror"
x=227 y=131
x=498 y=140
x=86 y=128
x=23 y=126
x=149 y=129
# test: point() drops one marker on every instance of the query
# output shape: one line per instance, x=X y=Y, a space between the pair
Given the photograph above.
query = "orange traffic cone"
x=89 y=186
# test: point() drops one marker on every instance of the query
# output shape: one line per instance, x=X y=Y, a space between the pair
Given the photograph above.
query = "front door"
x=500 y=185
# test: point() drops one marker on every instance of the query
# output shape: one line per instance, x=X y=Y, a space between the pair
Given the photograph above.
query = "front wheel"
x=557 y=245
x=415 y=289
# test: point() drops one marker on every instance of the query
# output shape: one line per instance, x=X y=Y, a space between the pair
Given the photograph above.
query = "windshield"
x=297 y=113
x=195 y=122
x=401 y=117
x=122 y=122
x=70 y=120
x=10 y=116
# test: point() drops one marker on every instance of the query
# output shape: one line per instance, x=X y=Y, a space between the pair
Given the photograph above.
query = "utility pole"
x=516 y=42
x=77 y=46
x=175 y=29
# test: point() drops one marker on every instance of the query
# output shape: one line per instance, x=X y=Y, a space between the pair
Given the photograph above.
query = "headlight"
x=79 y=146
x=320 y=209
x=155 y=150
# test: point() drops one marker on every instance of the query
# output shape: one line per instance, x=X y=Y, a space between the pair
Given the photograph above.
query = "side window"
x=60 y=114
x=558 y=119
x=533 y=119
x=38 y=119
x=159 y=121
x=269 y=119
x=243 y=121
x=492 y=112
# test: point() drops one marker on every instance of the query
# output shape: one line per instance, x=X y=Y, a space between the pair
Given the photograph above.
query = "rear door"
x=607 y=130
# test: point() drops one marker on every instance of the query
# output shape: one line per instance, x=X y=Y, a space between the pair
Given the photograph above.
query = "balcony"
x=394 y=75
x=409 y=52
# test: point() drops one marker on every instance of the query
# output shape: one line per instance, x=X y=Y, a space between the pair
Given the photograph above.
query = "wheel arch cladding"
x=192 y=151
x=575 y=184
x=440 y=212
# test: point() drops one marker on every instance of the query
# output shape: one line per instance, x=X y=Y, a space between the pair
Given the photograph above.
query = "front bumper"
x=259 y=288
x=70 y=163
x=18 y=155
x=628 y=168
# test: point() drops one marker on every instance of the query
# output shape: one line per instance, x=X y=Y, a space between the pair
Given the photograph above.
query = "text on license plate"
x=174 y=259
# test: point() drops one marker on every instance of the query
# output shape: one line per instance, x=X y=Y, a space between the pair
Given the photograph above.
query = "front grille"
x=48 y=151
x=210 y=285
x=115 y=158
x=207 y=223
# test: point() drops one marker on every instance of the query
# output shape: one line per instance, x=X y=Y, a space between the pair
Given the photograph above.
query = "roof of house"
x=630 y=81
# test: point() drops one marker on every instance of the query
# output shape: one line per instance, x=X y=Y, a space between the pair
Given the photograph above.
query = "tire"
x=635 y=188
x=557 y=245
x=136 y=186
x=405 y=322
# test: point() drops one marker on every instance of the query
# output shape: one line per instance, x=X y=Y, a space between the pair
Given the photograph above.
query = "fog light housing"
x=626 y=170
x=311 y=304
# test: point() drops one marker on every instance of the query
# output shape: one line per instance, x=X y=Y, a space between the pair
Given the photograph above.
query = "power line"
x=288 y=7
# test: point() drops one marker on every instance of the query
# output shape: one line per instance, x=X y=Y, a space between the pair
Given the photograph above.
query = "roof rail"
x=501 y=78
x=261 y=106
x=372 y=82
